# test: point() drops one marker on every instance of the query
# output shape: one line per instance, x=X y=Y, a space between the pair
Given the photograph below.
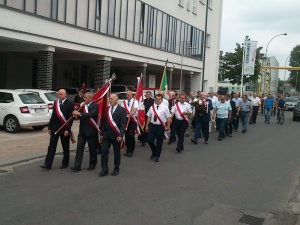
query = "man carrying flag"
x=163 y=89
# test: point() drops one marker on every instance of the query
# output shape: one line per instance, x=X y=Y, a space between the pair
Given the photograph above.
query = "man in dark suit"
x=202 y=120
x=148 y=102
x=112 y=133
x=228 y=127
x=62 y=111
x=172 y=102
x=88 y=132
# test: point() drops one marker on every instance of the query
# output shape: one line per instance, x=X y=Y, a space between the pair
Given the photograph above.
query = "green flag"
x=164 y=84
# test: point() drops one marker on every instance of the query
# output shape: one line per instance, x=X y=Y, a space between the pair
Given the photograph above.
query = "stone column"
x=143 y=69
x=102 y=72
x=45 y=70
x=188 y=82
x=170 y=77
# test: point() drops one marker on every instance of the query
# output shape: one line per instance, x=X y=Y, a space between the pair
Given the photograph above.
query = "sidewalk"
x=28 y=144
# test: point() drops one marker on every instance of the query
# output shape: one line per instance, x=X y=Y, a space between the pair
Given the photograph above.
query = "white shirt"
x=162 y=111
x=237 y=101
x=214 y=101
x=135 y=106
x=165 y=102
x=185 y=107
x=223 y=109
x=256 y=101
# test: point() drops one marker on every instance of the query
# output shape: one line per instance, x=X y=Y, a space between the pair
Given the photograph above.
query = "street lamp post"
x=266 y=61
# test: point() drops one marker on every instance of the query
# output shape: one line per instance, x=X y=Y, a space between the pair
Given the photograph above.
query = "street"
x=249 y=177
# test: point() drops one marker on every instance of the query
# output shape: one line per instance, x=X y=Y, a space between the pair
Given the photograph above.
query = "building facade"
x=49 y=44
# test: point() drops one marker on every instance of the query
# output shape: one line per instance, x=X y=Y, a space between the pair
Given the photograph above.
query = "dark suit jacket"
x=66 y=108
x=171 y=103
x=119 y=116
x=206 y=116
x=233 y=108
x=85 y=128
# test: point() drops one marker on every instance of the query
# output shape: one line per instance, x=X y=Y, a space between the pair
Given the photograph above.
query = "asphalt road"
x=249 y=176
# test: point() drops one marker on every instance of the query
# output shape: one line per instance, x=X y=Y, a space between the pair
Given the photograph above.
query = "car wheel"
x=11 y=124
x=38 y=127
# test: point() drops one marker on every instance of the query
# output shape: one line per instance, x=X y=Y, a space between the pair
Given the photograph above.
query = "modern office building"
x=49 y=44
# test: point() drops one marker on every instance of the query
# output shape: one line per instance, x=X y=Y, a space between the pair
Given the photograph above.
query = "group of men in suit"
x=112 y=132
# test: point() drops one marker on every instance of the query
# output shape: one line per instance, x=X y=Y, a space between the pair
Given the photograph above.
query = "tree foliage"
x=294 y=78
x=231 y=65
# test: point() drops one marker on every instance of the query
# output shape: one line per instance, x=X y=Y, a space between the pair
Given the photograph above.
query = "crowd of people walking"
x=172 y=120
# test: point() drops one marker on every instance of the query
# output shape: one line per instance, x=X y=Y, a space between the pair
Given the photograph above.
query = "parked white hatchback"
x=22 y=109
x=48 y=96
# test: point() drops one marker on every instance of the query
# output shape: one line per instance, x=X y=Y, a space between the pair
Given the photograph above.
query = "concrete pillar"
x=102 y=72
x=188 y=82
x=45 y=70
x=143 y=69
x=170 y=77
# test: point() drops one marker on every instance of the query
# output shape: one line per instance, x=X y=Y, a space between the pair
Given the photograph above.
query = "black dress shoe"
x=129 y=154
x=115 y=173
x=75 y=169
x=63 y=167
x=205 y=142
x=45 y=167
x=194 y=141
x=169 y=142
x=91 y=168
x=143 y=144
x=126 y=153
x=152 y=157
x=156 y=159
x=178 y=150
x=98 y=152
x=219 y=138
x=103 y=173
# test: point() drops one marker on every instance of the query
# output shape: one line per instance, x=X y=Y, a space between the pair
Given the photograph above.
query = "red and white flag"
x=140 y=98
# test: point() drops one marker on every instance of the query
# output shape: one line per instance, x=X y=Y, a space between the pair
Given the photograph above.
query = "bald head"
x=113 y=99
x=62 y=94
x=129 y=95
x=202 y=95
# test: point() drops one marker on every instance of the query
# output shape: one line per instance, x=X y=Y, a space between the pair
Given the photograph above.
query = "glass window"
x=30 y=98
x=44 y=8
x=92 y=14
x=130 y=20
x=103 y=16
x=30 y=6
x=51 y=96
x=6 y=97
x=111 y=17
x=71 y=12
x=188 y=5
x=61 y=10
x=202 y=1
x=123 y=19
x=17 y=4
x=82 y=11
x=158 y=29
x=180 y=3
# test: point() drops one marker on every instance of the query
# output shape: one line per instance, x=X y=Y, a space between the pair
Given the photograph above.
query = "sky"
x=261 y=20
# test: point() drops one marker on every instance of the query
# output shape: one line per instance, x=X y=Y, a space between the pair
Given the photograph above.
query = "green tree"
x=280 y=85
x=294 y=78
x=230 y=67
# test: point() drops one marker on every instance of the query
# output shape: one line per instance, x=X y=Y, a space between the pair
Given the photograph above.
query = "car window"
x=122 y=95
x=30 y=98
x=6 y=97
x=291 y=100
x=51 y=96
x=118 y=88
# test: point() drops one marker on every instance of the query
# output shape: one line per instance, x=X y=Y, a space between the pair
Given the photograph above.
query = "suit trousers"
x=106 y=143
x=201 y=126
x=222 y=124
x=93 y=145
x=236 y=121
x=130 y=137
x=254 y=114
x=156 y=132
x=65 y=142
x=245 y=118
x=180 y=127
x=172 y=131
x=228 y=127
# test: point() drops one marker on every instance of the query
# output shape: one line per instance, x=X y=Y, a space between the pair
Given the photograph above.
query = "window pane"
x=17 y=4
x=82 y=11
x=123 y=19
x=44 y=8
x=130 y=20
x=71 y=10
x=117 y=19
x=61 y=10
x=158 y=29
x=111 y=17
x=92 y=14
x=104 y=14
x=138 y=19
x=30 y=6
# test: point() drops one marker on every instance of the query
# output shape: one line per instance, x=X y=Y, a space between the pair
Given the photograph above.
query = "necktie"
x=60 y=102
x=155 y=119
x=128 y=103
x=112 y=110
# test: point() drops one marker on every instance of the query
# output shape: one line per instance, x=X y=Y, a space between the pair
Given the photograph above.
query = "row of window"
x=131 y=20
x=194 y=4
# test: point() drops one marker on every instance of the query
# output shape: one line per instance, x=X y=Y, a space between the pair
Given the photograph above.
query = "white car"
x=22 y=109
x=48 y=96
